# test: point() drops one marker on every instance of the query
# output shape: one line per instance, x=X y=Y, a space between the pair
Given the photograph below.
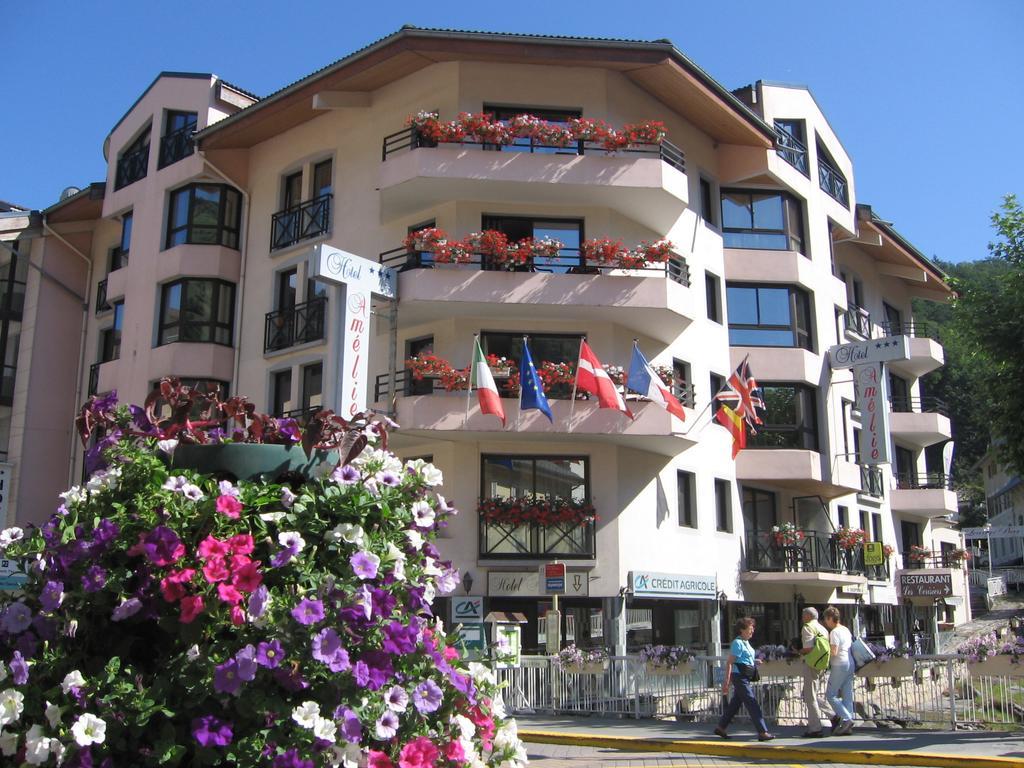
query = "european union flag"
x=531 y=395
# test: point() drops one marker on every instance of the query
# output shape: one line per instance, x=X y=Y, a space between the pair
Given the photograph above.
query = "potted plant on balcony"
x=988 y=655
x=663 y=660
x=918 y=554
x=786 y=535
x=577 y=661
x=850 y=538
x=894 y=662
x=500 y=366
x=541 y=511
x=956 y=557
x=779 y=661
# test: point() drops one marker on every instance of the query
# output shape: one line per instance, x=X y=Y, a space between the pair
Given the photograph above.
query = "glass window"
x=717 y=384
x=682 y=383
x=197 y=311
x=707 y=205
x=110 y=338
x=569 y=232
x=759 y=512
x=287 y=288
x=312 y=386
x=685 y=485
x=529 y=144
x=291 y=194
x=133 y=162
x=203 y=214
x=768 y=316
x=417 y=348
x=177 y=141
x=723 y=507
x=761 y=220
x=322 y=178
x=843 y=514
x=711 y=294
x=281 y=391
x=790 y=419
x=791 y=144
x=508 y=477
x=544 y=347
x=126 y=235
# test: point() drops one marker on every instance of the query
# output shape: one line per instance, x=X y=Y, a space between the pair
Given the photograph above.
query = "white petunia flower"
x=74 y=494
x=71 y=680
x=8 y=744
x=291 y=540
x=306 y=714
x=10 y=535
x=272 y=517
x=325 y=728
x=466 y=728
x=482 y=673
x=415 y=538
x=193 y=653
x=166 y=446
x=349 y=533
x=422 y=514
x=12 y=704
x=430 y=567
x=89 y=729
x=37 y=746
x=53 y=714
x=348 y=756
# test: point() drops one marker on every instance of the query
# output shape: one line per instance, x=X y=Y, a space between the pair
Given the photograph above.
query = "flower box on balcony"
x=587 y=668
x=782 y=668
x=1000 y=665
x=654 y=669
x=501 y=372
x=899 y=667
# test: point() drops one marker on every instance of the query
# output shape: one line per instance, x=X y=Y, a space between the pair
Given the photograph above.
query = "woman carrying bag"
x=741 y=669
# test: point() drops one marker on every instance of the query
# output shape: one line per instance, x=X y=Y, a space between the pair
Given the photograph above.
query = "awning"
x=953 y=600
x=505 y=617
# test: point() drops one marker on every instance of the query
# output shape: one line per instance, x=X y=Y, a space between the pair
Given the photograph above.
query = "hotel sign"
x=531 y=584
x=881 y=350
x=925 y=585
x=870 y=384
x=675 y=585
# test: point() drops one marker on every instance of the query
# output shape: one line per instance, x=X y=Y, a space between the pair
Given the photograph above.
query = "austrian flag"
x=481 y=379
x=593 y=378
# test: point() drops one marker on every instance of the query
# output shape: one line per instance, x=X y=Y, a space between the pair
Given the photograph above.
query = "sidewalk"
x=865 y=746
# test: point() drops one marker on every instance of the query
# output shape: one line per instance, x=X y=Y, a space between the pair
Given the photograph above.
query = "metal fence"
x=940 y=693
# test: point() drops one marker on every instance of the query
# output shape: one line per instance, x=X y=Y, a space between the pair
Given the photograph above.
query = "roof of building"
x=6 y=207
x=84 y=205
x=896 y=248
x=655 y=65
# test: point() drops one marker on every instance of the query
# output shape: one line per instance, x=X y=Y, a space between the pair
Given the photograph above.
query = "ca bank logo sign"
x=468 y=608
x=674 y=585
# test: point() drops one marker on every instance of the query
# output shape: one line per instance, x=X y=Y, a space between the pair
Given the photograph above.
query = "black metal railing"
x=880 y=572
x=102 y=305
x=301 y=415
x=685 y=394
x=176 y=145
x=7 y=384
x=918 y=405
x=131 y=167
x=803 y=551
x=299 y=324
x=871 y=482
x=931 y=559
x=791 y=149
x=920 y=330
x=858 y=321
x=916 y=481
x=301 y=222
x=832 y=182
x=409 y=138
x=534 y=541
x=94 y=378
x=569 y=261
x=12 y=298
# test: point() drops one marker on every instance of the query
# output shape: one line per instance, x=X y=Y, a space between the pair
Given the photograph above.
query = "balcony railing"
x=814 y=552
x=131 y=167
x=685 y=393
x=299 y=324
x=858 y=321
x=918 y=405
x=12 y=298
x=871 y=482
x=532 y=541
x=301 y=415
x=7 y=384
x=917 y=481
x=832 y=182
x=176 y=145
x=569 y=261
x=791 y=149
x=94 y=378
x=920 y=330
x=301 y=222
x=102 y=305
x=409 y=138
x=881 y=572
x=931 y=559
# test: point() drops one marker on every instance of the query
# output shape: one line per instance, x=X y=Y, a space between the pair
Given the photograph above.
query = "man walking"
x=813 y=650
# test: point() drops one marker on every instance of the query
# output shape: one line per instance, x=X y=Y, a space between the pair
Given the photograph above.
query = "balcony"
x=923 y=494
x=645 y=182
x=791 y=149
x=102 y=305
x=798 y=469
x=131 y=167
x=444 y=415
x=919 y=421
x=813 y=559
x=871 y=482
x=292 y=326
x=832 y=181
x=176 y=146
x=925 y=351
x=532 y=541
x=7 y=375
x=857 y=322
x=654 y=300
x=927 y=559
x=301 y=222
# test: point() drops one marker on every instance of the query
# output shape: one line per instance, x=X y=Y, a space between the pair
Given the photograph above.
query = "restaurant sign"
x=925 y=585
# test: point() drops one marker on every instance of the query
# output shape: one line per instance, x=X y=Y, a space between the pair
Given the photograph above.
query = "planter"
x=782 y=668
x=589 y=668
x=1000 y=665
x=660 y=670
x=252 y=461
x=890 y=668
x=501 y=373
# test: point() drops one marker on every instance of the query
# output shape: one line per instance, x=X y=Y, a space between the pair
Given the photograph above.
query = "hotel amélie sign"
x=358 y=279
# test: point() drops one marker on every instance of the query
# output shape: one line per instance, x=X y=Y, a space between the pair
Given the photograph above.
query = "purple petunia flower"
x=364 y=564
x=162 y=546
x=246 y=660
x=126 y=609
x=346 y=475
x=427 y=697
x=94 y=579
x=226 y=678
x=364 y=600
x=17 y=618
x=292 y=759
x=351 y=727
x=390 y=479
x=211 y=731
x=19 y=669
x=270 y=654
x=308 y=612
x=400 y=639
x=328 y=650
x=387 y=725
x=396 y=699
x=258 y=601
x=290 y=680
x=52 y=596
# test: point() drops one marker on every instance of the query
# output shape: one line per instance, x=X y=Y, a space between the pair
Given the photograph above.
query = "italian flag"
x=480 y=378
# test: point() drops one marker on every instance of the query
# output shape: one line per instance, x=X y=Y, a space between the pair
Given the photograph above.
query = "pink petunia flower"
x=248 y=577
x=215 y=570
x=241 y=544
x=212 y=547
x=191 y=607
x=378 y=760
x=418 y=753
x=229 y=594
x=229 y=506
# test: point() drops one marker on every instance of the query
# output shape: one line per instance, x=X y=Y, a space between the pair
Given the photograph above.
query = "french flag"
x=644 y=381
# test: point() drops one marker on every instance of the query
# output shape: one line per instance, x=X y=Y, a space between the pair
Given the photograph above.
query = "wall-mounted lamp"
x=467 y=582
x=723 y=601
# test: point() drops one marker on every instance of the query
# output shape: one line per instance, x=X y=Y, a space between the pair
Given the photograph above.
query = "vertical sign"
x=554 y=578
x=873 y=404
x=357 y=280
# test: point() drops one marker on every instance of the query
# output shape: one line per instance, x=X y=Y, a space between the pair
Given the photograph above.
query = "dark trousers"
x=743 y=695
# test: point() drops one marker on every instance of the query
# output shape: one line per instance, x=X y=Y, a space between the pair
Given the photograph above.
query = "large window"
x=685 y=490
x=768 y=316
x=790 y=419
x=281 y=391
x=197 y=311
x=133 y=162
x=569 y=232
x=759 y=510
x=761 y=220
x=177 y=142
x=544 y=347
x=723 y=505
x=510 y=476
x=204 y=214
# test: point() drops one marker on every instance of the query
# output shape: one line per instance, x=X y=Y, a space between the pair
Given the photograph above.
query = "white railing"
x=941 y=692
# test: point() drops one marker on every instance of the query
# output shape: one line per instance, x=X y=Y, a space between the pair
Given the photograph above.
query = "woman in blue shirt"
x=738 y=668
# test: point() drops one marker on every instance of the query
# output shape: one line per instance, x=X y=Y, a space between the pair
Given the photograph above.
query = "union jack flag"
x=743 y=394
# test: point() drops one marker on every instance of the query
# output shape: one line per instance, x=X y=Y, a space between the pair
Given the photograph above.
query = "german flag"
x=732 y=421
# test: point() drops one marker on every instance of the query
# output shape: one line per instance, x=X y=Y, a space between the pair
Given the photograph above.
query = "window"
x=682 y=384
x=281 y=391
x=876 y=526
x=791 y=143
x=110 y=338
x=911 y=534
x=723 y=507
x=291 y=190
x=707 y=202
x=847 y=406
x=177 y=142
x=685 y=484
x=544 y=347
x=119 y=253
x=899 y=394
x=415 y=348
x=133 y=162
x=514 y=476
x=843 y=514
x=322 y=182
x=831 y=179
x=790 y=419
x=204 y=214
x=197 y=311
x=761 y=220
x=569 y=232
x=893 y=319
x=312 y=386
x=717 y=384
x=768 y=316
x=711 y=295
x=287 y=288
x=759 y=510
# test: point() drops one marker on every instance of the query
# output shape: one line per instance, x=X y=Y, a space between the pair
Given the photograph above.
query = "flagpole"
x=519 y=413
x=575 y=379
x=469 y=382
x=713 y=396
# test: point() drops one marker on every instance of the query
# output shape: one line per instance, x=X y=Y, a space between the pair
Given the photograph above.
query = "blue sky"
x=926 y=96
